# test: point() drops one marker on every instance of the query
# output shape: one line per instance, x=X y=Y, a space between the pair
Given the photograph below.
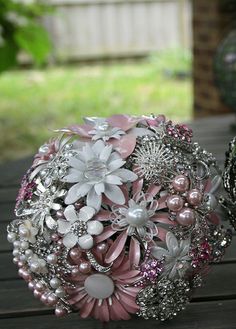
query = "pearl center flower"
x=95 y=171
x=99 y=286
x=137 y=216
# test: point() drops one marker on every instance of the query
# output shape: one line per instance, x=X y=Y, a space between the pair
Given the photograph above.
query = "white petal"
x=105 y=154
x=159 y=252
x=114 y=194
x=93 y=199
x=86 y=241
x=126 y=175
x=86 y=213
x=77 y=164
x=98 y=147
x=94 y=227
x=115 y=164
x=63 y=226
x=76 y=192
x=73 y=176
x=99 y=188
x=70 y=214
x=172 y=243
x=113 y=179
x=70 y=240
x=88 y=152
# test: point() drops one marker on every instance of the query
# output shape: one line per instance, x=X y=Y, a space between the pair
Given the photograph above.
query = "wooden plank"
x=210 y=315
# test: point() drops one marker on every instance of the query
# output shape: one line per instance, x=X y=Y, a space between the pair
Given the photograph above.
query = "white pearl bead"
x=52 y=259
x=16 y=244
x=86 y=241
x=34 y=266
x=60 y=292
x=23 y=231
x=137 y=216
x=11 y=237
x=24 y=245
x=16 y=252
x=94 y=227
x=22 y=258
x=28 y=253
x=55 y=283
x=99 y=286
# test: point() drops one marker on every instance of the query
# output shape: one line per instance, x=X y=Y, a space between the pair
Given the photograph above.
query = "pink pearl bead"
x=60 y=214
x=102 y=247
x=21 y=272
x=52 y=299
x=85 y=267
x=194 y=197
x=180 y=183
x=39 y=286
x=44 y=298
x=37 y=294
x=75 y=255
x=75 y=272
x=20 y=263
x=55 y=237
x=186 y=217
x=60 y=312
x=60 y=243
x=175 y=203
x=31 y=285
x=15 y=260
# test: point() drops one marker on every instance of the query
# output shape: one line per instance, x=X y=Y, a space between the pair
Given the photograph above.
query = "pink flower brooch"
x=119 y=216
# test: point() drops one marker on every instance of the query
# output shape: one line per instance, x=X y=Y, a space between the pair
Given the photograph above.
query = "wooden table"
x=214 y=306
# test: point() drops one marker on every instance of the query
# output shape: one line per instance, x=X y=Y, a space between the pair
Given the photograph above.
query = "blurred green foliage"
x=20 y=29
x=34 y=102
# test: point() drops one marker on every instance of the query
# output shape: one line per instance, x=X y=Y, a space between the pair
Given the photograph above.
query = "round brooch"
x=119 y=216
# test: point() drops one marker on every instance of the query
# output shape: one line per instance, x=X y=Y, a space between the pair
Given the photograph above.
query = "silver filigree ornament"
x=164 y=300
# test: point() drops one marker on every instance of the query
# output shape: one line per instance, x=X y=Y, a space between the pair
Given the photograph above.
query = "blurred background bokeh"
x=61 y=60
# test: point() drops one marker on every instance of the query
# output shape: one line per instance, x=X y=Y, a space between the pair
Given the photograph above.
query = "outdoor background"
x=65 y=59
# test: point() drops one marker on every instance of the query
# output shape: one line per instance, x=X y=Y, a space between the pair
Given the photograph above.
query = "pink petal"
x=134 y=252
x=125 y=145
x=81 y=130
x=162 y=202
x=103 y=215
x=214 y=218
x=128 y=302
x=105 y=316
x=116 y=248
x=119 y=310
x=122 y=121
x=137 y=186
x=153 y=190
x=87 y=309
x=162 y=233
x=107 y=233
x=207 y=186
x=163 y=218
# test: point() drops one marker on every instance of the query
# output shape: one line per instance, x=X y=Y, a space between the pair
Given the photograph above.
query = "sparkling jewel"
x=175 y=203
x=194 y=197
x=180 y=183
x=96 y=170
x=185 y=217
x=137 y=216
x=99 y=286
x=86 y=241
